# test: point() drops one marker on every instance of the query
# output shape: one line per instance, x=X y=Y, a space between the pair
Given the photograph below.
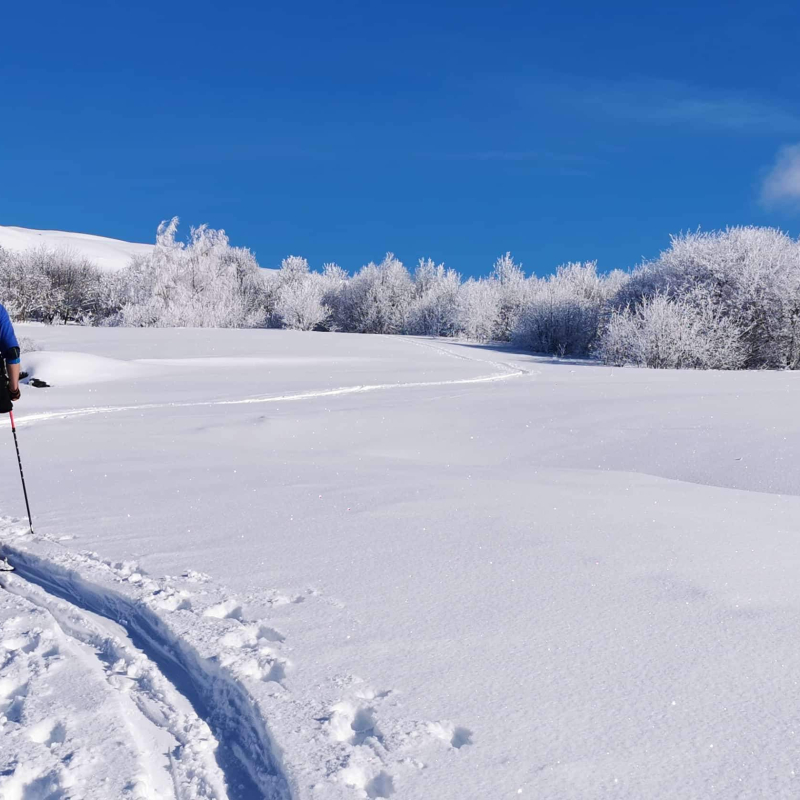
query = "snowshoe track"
x=67 y=669
x=245 y=753
x=207 y=670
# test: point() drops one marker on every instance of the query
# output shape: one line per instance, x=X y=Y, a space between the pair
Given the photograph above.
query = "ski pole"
x=21 y=473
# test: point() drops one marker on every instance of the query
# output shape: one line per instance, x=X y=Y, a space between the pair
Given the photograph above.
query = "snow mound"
x=107 y=254
x=70 y=369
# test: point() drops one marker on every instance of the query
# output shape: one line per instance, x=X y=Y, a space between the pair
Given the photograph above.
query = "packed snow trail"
x=165 y=678
x=507 y=372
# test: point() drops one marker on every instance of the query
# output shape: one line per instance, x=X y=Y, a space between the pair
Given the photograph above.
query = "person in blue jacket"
x=9 y=350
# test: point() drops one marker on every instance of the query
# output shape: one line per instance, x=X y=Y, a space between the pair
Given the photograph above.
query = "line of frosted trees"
x=721 y=300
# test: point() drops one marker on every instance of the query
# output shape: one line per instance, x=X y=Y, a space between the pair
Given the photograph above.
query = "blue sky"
x=338 y=131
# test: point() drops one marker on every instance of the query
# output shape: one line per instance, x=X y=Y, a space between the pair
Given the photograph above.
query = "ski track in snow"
x=193 y=698
x=147 y=706
x=507 y=372
x=200 y=673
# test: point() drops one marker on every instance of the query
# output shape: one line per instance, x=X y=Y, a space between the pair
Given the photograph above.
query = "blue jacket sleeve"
x=9 y=346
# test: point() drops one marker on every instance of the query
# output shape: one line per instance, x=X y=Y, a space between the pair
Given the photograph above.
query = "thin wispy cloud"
x=523 y=155
x=567 y=164
x=781 y=185
x=675 y=104
x=515 y=155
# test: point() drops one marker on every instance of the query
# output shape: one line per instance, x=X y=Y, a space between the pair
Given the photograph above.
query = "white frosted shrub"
x=673 y=333
x=562 y=314
x=751 y=274
x=300 y=304
x=202 y=283
x=477 y=309
x=725 y=299
x=49 y=285
x=433 y=309
x=513 y=291
x=377 y=298
x=334 y=288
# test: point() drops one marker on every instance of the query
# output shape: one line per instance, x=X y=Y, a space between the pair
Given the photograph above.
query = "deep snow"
x=107 y=254
x=410 y=568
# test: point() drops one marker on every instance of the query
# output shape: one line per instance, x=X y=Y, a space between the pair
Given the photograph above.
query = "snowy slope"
x=388 y=567
x=108 y=254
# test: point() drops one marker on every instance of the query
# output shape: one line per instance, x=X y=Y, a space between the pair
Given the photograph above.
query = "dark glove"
x=5 y=398
x=15 y=394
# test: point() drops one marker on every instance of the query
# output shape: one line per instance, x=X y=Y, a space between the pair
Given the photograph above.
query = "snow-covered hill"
x=108 y=254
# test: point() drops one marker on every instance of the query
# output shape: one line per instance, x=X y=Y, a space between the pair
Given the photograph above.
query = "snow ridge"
x=245 y=752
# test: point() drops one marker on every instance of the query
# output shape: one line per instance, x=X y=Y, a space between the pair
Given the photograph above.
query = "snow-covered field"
x=105 y=253
x=276 y=564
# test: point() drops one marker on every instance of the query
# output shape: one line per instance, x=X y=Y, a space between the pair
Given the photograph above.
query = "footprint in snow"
x=12 y=699
x=375 y=788
x=249 y=635
x=353 y=724
x=270 y=634
x=253 y=643
x=381 y=785
x=228 y=609
x=26 y=784
x=173 y=600
x=48 y=732
x=270 y=671
x=455 y=736
x=252 y=630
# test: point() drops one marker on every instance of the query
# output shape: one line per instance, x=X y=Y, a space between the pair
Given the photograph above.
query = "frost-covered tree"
x=75 y=287
x=294 y=269
x=200 y=283
x=512 y=292
x=23 y=285
x=377 y=299
x=300 y=296
x=335 y=296
x=562 y=315
x=723 y=299
x=433 y=308
x=300 y=305
x=752 y=275
x=674 y=333
x=49 y=284
x=478 y=309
